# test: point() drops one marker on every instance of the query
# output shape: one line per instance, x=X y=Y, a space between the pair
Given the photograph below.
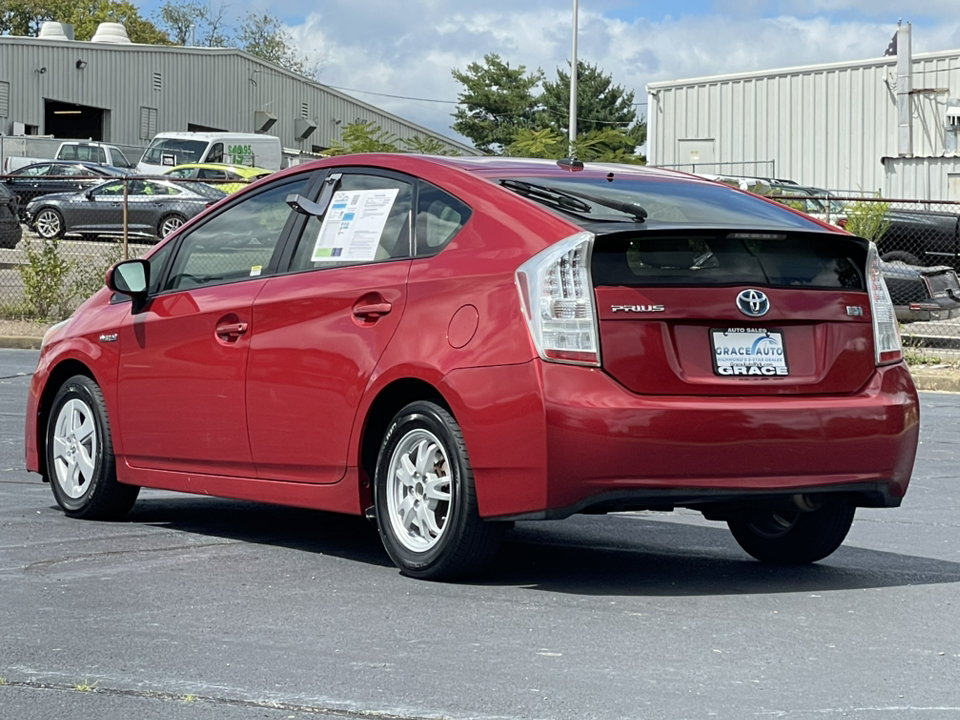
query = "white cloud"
x=410 y=48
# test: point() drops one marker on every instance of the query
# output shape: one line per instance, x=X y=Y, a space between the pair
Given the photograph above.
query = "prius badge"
x=753 y=303
x=637 y=308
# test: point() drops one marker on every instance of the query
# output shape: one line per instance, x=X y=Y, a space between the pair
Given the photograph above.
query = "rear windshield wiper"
x=558 y=198
x=572 y=200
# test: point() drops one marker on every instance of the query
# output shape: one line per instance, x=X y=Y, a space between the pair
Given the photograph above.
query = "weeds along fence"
x=60 y=233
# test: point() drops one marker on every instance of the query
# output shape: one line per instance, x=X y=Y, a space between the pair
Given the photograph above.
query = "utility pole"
x=573 y=78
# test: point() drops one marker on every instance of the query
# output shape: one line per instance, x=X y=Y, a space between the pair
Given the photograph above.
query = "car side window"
x=34 y=171
x=439 y=217
x=111 y=188
x=236 y=244
x=211 y=174
x=71 y=170
x=216 y=154
x=317 y=249
x=181 y=173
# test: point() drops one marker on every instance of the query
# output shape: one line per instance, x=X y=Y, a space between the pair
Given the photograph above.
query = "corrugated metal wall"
x=827 y=126
x=922 y=178
x=217 y=88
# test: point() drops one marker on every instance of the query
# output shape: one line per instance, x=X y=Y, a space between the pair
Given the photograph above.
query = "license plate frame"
x=749 y=352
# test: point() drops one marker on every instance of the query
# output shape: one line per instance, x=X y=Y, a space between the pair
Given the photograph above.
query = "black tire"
x=80 y=465
x=794 y=537
x=465 y=543
x=163 y=230
x=900 y=256
x=52 y=228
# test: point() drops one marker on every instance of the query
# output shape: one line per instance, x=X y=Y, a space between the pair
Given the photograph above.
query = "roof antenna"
x=571 y=164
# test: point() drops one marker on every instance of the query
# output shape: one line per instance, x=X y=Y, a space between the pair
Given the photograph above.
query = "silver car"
x=155 y=208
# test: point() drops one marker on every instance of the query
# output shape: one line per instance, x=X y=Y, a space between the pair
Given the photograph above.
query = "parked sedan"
x=155 y=208
x=448 y=345
x=10 y=230
x=45 y=178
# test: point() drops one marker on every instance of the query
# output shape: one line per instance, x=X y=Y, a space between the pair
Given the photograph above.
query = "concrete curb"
x=924 y=380
x=18 y=342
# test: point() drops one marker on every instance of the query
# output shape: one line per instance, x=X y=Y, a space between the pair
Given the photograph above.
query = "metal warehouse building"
x=122 y=93
x=889 y=124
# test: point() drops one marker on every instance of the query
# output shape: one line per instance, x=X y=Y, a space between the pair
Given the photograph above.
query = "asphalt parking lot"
x=203 y=608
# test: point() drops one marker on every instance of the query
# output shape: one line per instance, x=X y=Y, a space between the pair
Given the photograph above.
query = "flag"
x=892 y=47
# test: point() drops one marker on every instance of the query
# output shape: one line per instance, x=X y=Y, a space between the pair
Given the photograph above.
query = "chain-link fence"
x=919 y=245
x=60 y=233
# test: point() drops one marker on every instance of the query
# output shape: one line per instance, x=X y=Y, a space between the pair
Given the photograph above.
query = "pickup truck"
x=76 y=150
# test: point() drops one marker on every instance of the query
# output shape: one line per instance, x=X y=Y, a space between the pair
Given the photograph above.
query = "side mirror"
x=88 y=194
x=131 y=277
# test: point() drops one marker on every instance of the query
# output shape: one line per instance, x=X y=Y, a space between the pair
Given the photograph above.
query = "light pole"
x=573 y=79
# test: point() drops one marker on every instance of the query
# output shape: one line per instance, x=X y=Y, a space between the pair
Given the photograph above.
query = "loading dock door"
x=71 y=121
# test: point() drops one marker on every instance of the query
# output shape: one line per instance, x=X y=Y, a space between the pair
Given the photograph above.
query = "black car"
x=922 y=293
x=10 y=230
x=46 y=178
x=922 y=237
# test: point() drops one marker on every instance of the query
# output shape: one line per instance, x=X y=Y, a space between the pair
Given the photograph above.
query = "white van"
x=179 y=148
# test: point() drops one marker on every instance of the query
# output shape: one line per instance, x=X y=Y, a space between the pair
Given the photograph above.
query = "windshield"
x=174 y=151
x=670 y=201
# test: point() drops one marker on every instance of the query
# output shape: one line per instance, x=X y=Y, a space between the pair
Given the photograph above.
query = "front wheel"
x=425 y=500
x=80 y=462
x=793 y=537
x=49 y=224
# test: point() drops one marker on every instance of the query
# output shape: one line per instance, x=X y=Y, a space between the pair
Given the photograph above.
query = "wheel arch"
x=392 y=398
x=57 y=377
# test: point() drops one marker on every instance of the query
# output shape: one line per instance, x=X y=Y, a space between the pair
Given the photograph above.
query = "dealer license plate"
x=757 y=352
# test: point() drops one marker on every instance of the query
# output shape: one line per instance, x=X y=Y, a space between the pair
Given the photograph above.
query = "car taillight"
x=556 y=292
x=886 y=332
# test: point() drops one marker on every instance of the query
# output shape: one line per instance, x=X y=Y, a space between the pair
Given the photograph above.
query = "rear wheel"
x=80 y=462
x=794 y=537
x=169 y=223
x=425 y=500
x=49 y=224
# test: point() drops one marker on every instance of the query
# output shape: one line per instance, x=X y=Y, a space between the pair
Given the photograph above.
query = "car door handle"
x=372 y=310
x=231 y=332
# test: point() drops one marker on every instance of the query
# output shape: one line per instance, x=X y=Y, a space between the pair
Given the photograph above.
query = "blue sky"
x=408 y=47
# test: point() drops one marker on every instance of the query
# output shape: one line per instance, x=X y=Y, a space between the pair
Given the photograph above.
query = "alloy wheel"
x=74 y=448
x=170 y=224
x=48 y=224
x=419 y=490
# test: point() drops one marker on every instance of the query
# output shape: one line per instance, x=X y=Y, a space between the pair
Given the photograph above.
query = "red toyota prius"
x=452 y=344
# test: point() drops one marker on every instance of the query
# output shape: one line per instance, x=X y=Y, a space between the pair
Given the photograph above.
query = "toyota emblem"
x=753 y=303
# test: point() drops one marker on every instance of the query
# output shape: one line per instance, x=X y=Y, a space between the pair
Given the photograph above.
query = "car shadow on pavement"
x=312 y=531
x=584 y=555
x=600 y=556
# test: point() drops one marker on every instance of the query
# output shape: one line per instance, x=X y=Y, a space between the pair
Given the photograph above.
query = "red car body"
x=294 y=409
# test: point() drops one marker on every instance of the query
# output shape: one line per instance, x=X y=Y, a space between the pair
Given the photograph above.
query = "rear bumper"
x=572 y=439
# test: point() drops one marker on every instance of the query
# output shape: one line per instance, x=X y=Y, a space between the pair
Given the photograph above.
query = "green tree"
x=262 y=34
x=24 y=17
x=601 y=106
x=426 y=146
x=186 y=20
x=496 y=102
x=364 y=138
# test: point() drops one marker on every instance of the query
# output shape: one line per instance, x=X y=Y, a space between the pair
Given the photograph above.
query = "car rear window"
x=676 y=201
x=729 y=258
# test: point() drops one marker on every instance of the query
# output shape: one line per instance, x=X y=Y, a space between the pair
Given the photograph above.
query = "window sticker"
x=353 y=224
x=256 y=270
